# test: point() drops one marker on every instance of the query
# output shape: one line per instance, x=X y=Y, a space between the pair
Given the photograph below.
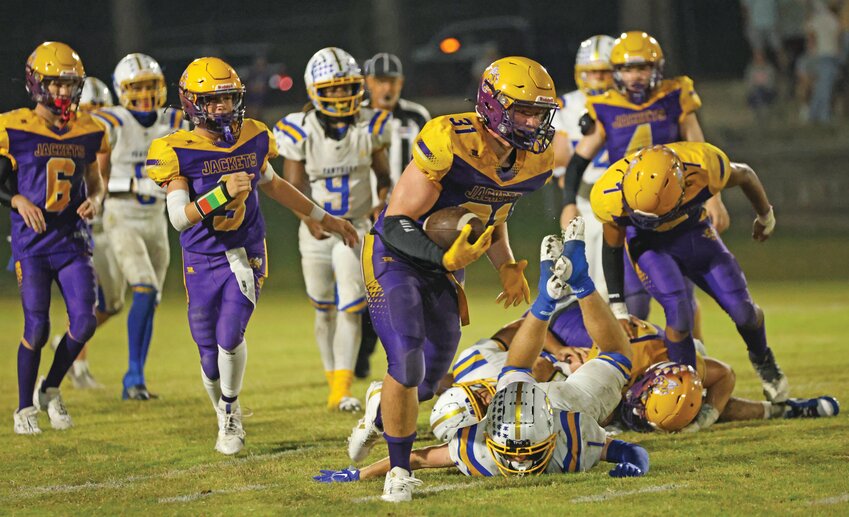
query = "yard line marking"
x=27 y=492
x=832 y=500
x=614 y=495
x=426 y=490
x=207 y=493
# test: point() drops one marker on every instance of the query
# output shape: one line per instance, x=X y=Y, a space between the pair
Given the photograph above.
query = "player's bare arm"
x=380 y=166
x=295 y=173
x=744 y=177
x=515 y=286
x=104 y=161
x=95 y=188
x=286 y=194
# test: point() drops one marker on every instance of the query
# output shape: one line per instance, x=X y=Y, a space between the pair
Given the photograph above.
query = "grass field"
x=157 y=458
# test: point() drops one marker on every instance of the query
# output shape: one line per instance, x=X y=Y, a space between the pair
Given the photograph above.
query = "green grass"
x=157 y=458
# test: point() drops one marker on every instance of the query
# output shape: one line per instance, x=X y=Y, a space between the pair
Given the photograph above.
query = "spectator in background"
x=823 y=30
x=256 y=88
x=760 y=18
x=760 y=85
x=791 y=23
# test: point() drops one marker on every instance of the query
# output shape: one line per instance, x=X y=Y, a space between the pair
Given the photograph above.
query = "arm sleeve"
x=290 y=137
x=401 y=233
x=572 y=178
x=8 y=182
x=614 y=271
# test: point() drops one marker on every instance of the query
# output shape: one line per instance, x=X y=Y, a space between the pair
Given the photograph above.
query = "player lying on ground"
x=530 y=428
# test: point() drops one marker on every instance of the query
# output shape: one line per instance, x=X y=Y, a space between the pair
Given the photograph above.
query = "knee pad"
x=405 y=311
x=745 y=314
x=410 y=370
x=82 y=327
x=37 y=334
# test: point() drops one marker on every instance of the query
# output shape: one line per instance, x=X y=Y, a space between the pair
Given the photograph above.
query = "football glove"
x=462 y=252
x=338 y=476
x=512 y=275
x=574 y=250
x=626 y=470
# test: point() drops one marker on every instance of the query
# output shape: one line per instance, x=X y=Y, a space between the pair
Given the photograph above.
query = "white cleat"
x=350 y=405
x=51 y=401
x=231 y=435
x=81 y=376
x=398 y=487
x=365 y=434
x=26 y=421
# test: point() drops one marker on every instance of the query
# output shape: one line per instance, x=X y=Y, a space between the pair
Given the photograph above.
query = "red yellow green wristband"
x=213 y=200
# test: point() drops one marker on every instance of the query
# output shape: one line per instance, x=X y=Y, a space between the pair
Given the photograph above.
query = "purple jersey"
x=452 y=152
x=50 y=164
x=203 y=165
x=629 y=127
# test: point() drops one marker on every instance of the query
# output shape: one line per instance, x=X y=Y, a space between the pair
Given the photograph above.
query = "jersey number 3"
x=234 y=212
x=59 y=174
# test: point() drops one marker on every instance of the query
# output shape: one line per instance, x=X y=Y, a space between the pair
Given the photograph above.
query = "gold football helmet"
x=207 y=79
x=637 y=48
x=674 y=396
x=55 y=61
x=653 y=187
x=518 y=83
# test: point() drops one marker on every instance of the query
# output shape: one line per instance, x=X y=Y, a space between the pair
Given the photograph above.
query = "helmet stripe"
x=450 y=414
x=518 y=415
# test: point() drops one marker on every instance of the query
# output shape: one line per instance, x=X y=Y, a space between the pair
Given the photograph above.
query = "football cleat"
x=350 y=405
x=366 y=433
x=51 y=400
x=338 y=476
x=26 y=421
x=231 y=435
x=398 y=487
x=81 y=376
x=137 y=392
x=775 y=385
x=811 y=408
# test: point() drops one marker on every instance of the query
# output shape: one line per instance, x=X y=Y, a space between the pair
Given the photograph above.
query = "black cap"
x=384 y=65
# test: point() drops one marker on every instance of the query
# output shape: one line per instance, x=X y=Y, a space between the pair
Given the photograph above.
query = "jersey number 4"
x=59 y=174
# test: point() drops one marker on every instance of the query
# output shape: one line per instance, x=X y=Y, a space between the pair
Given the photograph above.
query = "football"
x=443 y=226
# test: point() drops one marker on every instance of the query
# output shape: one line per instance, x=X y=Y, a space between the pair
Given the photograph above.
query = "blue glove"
x=574 y=249
x=338 y=476
x=626 y=470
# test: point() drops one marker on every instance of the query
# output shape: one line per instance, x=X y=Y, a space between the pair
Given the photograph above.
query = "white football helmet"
x=457 y=408
x=133 y=69
x=332 y=67
x=594 y=54
x=519 y=430
x=95 y=95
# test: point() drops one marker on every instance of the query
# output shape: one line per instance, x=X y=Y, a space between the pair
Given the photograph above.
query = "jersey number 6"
x=59 y=174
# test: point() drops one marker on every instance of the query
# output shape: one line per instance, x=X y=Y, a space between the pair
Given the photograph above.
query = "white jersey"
x=566 y=121
x=587 y=397
x=483 y=361
x=130 y=141
x=339 y=171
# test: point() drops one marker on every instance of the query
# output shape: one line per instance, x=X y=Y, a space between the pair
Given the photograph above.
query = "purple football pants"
x=74 y=274
x=415 y=314
x=700 y=255
x=218 y=311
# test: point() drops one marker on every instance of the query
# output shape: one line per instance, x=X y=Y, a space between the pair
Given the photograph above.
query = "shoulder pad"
x=377 y=121
x=432 y=150
x=292 y=127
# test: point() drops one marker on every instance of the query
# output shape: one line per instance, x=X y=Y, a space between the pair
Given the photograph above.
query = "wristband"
x=620 y=310
x=213 y=200
x=317 y=213
x=768 y=221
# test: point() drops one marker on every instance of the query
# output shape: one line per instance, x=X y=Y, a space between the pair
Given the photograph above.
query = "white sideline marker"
x=201 y=495
x=625 y=493
x=843 y=498
x=25 y=493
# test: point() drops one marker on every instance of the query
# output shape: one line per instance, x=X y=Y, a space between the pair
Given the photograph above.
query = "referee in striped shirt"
x=384 y=80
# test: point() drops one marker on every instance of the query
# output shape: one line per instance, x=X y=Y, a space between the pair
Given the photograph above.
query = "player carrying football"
x=50 y=178
x=211 y=174
x=483 y=161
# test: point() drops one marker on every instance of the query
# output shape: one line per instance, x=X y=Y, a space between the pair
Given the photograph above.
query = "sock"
x=66 y=352
x=755 y=340
x=232 y=364
x=325 y=326
x=328 y=374
x=229 y=400
x=79 y=366
x=346 y=340
x=683 y=351
x=138 y=320
x=399 y=450
x=767 y=409
x=342 y=380
x=28 y=361
x=148 y=334
x=212 y=387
